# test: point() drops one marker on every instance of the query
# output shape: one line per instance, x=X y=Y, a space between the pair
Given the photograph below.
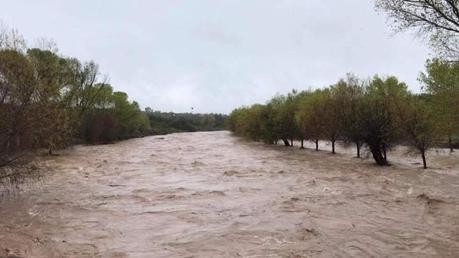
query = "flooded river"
x=214 y=195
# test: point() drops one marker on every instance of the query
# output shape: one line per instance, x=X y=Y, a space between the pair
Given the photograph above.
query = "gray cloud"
x=216 y=55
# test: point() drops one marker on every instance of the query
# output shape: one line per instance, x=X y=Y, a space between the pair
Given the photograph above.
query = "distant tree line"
x=168 y=122
x=377 y=113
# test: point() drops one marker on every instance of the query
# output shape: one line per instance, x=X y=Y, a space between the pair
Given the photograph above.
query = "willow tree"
x=418 y=124
x=249 y=122
x=348 y=94
x=309 y=116
x=284 y=125
x=17 y=88
x=436 y=19
x=300 y=117
x=56 y=129
x=378 y=119
x=442 y=81
x=332 y=118
x=290 y=108
x=266 y=124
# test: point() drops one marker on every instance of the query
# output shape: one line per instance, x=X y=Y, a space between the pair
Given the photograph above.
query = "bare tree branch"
x=436 y=19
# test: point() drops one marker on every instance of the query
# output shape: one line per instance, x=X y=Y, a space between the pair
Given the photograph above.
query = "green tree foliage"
x=377 y=114
x=168 y=122
x=269 y=123
x=418 y=124
x=46 y=100
x=56 y=130
x=283 y=110
x=332 y=118
x=113 y=117
x=348 y=96
x=17 y=92
x=247 y=122
x=378 y=121
x=309 y=116
x=441 y=81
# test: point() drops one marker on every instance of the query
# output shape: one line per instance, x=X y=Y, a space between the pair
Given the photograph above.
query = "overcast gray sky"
x=215 y=55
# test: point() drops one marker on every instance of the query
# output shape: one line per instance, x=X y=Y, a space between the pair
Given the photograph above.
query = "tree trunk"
x=286 y=143
x=378 y=156
x=357 y=144
x=291 y=144
x=333 y=146
x=423 y=155
x=302 y=144
x=317 y=145
x=50 y=151
x=450 y=143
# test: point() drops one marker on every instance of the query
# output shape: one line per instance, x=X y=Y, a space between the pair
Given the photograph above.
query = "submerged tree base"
x=378 y=155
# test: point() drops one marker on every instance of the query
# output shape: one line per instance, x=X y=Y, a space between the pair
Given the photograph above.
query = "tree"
x=266 y=124
x=82 y=86
x=348 y=94
x=417 y=122
x=255 y=128
x=253 y=122
x=17 y=89
x=442 y=82
x=437 y=19
x=283 y=110
x=300 y=117
x=310 y=116
x=55 y=130
x=377 y=114
x=332 y=118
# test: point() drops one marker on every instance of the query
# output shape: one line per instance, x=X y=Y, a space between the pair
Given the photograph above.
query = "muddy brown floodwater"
x=214 y=195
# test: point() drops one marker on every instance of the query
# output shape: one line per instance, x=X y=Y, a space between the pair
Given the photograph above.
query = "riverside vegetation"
x=380 y=112
x=51 y=101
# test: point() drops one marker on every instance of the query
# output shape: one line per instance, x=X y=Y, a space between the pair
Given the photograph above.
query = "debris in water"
x=428 y=199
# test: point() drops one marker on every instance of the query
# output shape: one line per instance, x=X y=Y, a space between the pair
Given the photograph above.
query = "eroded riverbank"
x=215 y=195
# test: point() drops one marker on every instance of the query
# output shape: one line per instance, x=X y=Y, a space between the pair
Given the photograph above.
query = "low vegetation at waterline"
x=378 y=113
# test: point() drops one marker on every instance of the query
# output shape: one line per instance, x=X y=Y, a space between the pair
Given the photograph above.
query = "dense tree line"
x=49 y=101
x=168 y=122
x=377 y=113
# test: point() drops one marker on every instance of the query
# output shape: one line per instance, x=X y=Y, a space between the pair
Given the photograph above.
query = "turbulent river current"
x=211 y=194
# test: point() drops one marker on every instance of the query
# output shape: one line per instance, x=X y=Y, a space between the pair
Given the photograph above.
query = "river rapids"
x=211 y=194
